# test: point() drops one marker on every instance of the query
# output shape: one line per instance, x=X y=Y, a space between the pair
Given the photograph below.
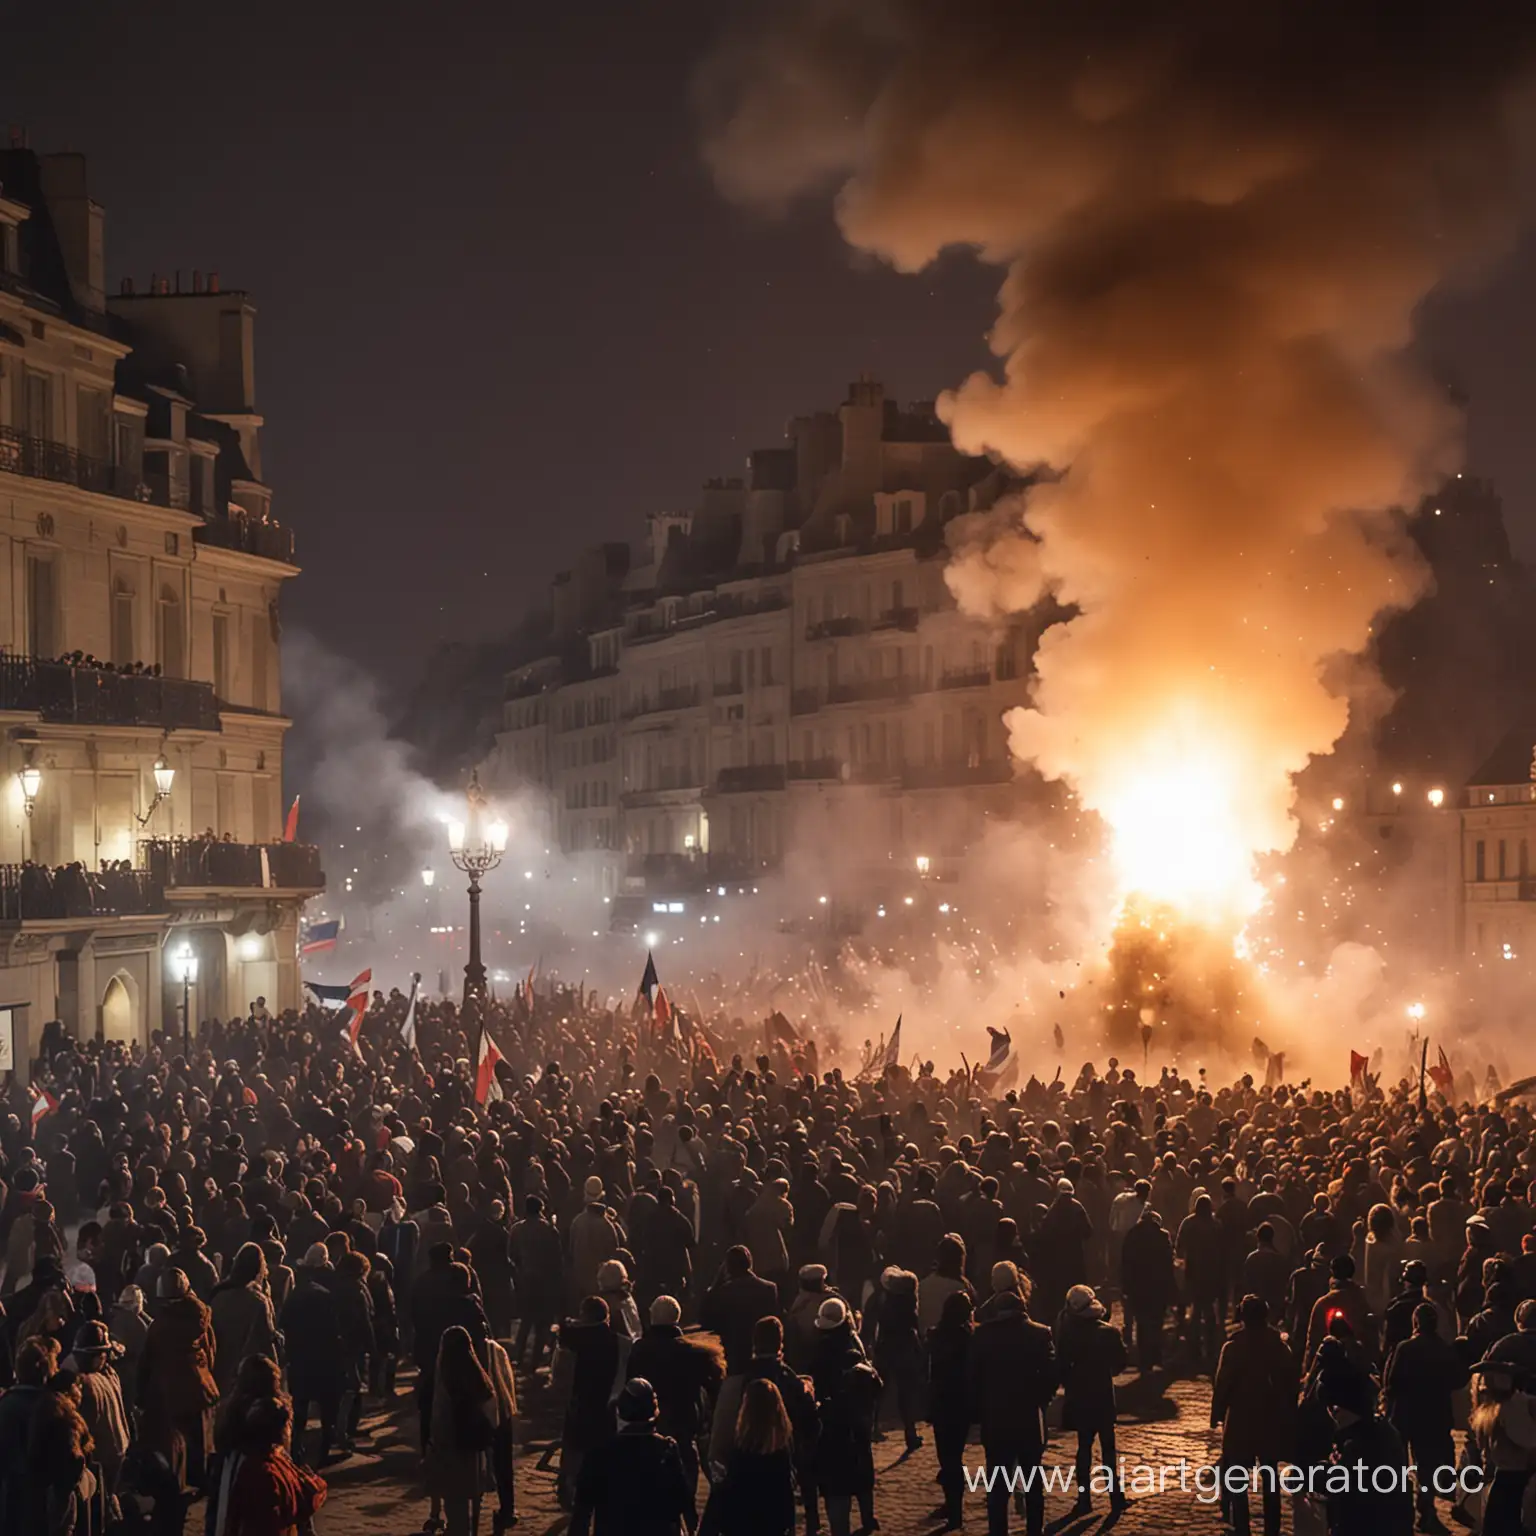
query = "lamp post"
x=184 y=969
x=475 y=845
x=165 y=776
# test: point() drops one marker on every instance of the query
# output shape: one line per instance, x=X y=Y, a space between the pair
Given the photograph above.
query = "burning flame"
x=1175 y=813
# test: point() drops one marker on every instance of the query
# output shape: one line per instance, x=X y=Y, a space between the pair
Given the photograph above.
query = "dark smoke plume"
x=1217 y=222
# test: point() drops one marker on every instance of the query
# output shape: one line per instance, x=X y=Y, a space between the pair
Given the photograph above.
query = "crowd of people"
x=724 y=1276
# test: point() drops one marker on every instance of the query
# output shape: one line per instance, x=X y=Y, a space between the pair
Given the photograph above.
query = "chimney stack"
x=213 y=282
x=197 y=280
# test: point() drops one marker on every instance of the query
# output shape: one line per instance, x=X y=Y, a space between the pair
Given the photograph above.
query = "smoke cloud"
x=1217 y=223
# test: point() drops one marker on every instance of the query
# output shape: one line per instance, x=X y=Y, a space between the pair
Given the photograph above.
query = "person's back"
x=632 y=1483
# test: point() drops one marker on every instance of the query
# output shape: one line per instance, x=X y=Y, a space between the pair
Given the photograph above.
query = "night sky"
x=502 y=311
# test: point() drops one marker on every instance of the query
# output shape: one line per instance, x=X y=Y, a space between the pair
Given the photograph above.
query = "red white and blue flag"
x=320 y=936
x=357 y=1005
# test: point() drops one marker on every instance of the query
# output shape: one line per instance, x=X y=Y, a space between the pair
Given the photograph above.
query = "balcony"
x=899 y=618
x=731 y=688
x=861 y=689
x=956 y=774
x=660 y=703
x=836 y=628
x=248 y=535
x=205 y=864
x=967 y=677
x=32 y=893
x=758 y=777
x=63 y=694
x=40 y=459
x=816 y=768
x=805 y=701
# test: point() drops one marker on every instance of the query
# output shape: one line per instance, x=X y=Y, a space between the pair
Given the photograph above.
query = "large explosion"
x=1217 y=223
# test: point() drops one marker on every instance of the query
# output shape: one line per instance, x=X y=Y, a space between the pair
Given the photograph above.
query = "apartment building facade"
x=141 y=725
x=790 y=677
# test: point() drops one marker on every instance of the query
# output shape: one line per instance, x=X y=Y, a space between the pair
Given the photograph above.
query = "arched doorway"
x=119 y=1013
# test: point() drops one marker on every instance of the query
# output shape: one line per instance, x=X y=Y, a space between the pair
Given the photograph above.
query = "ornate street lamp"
x=31 y=779
x=184 y=969
x=475 y=845
x=165 y=776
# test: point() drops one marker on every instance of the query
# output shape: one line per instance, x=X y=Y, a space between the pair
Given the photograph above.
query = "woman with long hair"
x=269 y=1494
x=757 y=1496
x=241 y=1310
x=464 y=1421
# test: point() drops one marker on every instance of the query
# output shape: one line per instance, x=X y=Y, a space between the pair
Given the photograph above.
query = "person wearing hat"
x=848 y=1391
x=176 y=1391
x=1422 y=1373
x=685 y=1370
x=1345 y=1298
x=130 y=1332
x=800 y=1320
x=1308 y=1282
x=1090 y=1353
x=891 y=1328
x=1013 y=1376
x=1397 y=1320
x=595 y=1237
x=1367 y=1504
x=93 y=1360
x=1253 y=1402
x=634 y=1483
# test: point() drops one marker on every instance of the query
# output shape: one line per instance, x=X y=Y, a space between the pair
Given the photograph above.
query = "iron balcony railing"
x=266 y=537
x=31 y=893
x=744 y=780
x=66 y=694
x=207 y=863
x=39 y=458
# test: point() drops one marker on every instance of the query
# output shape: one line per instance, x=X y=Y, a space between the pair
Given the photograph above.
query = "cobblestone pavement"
x=378 y=1491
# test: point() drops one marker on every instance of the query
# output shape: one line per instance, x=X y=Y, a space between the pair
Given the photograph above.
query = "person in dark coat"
x=1421 y=1374
x=1253 y=1402
x=848 y=1391
x=1090 y=1353
x=1363 y=1439
x=1266 y=1272
x=176 y=1389
x=890 y=1322
x=756 y=1496
x=632 y=1484
x=1061 y=1245
x=538 y=1278
x=490 y=1249
x=949 y=1402
x=592 y=1348
x=1012 y=1378
x=1202 y=1245
x=1147 y=1285
x=733 y=1305
x=664 y=1261
x=317 y=1363
x=1397 y=1321
x=685 y=1371
x=1495 y=1321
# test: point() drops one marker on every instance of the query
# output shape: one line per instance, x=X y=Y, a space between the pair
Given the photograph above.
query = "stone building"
x=781 y=675
x=141 y=725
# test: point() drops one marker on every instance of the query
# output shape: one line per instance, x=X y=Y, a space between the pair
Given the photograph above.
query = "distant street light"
x=184 y=970
x=476 y=846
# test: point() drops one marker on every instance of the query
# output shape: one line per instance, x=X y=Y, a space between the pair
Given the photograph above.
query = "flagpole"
x=1423 y=1069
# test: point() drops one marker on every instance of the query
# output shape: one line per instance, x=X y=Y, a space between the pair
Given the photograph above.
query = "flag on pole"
x=486 y=1086
x=43 y=1104
x=327 y=995
x=1357 y=1066
x=662 y=1013
x=1274 y=1070
x=781 y=1032
x=1444 y=1078
x=357 y=1006
x=892 y=1057
x=320 y=936
x=408 y=1023
x=649 y=980
x=1001 y=1069
x=291 y=826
